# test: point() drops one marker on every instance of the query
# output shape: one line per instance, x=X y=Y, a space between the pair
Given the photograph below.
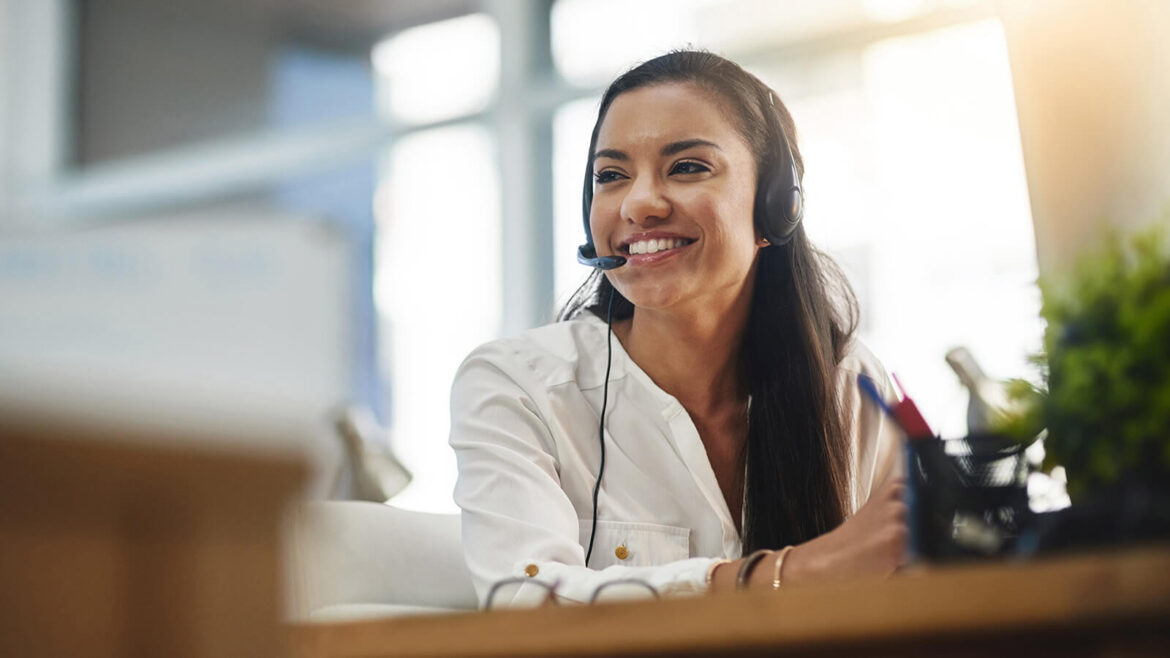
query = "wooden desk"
x=123 y=545
x=1114 y=604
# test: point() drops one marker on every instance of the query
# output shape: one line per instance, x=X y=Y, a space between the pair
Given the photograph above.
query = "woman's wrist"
x=749 y=568
x=723 y=576
x=710 y=579
x=799 y=563
x=792 y=570
x=762 y=575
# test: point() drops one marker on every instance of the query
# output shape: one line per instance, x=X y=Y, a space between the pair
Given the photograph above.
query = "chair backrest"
x=348 y=558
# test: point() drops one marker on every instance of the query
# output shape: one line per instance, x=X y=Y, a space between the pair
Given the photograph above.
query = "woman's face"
x=674 y=188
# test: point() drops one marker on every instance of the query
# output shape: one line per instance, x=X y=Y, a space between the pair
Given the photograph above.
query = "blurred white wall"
x=1092 y=83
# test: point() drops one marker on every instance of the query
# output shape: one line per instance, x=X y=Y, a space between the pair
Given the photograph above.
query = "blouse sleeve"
x=878 y=443
x=517 y=521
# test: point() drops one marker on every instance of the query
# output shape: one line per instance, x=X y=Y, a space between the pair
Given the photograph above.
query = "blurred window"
x=437 y=288
x=630 y=31
x=437 y=282
x=440 y=70
x=572 y=126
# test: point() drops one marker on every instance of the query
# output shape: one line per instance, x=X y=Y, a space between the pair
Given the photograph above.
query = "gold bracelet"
x=779 y=565
x=711 y=570
x=749 y=563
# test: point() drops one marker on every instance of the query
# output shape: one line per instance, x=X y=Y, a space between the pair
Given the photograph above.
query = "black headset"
x=778 y=209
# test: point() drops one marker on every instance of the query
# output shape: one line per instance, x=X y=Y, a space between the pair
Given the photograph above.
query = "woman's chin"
x=656 y=299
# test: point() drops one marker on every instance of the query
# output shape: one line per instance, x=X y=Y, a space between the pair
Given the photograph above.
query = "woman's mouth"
x=654 y=246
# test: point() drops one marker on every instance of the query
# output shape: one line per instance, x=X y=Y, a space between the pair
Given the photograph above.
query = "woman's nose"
x=645 y=202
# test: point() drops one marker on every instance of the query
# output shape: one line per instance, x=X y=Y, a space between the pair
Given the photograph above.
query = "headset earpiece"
x=779 y=199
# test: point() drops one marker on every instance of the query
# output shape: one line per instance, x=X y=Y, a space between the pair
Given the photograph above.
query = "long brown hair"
x=803 y=315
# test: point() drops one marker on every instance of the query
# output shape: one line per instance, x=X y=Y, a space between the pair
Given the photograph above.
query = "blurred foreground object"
x=988 y=399
x=375 y=474
x=349 y=560
x=968 y=497
x=112 y=547
x=1108 y=342
x=233 y=323
x=1106 y=403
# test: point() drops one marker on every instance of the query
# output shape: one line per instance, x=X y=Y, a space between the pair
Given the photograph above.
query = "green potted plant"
x=1105 y=397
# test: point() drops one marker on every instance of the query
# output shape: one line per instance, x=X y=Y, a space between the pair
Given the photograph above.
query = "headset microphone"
x=587 y=255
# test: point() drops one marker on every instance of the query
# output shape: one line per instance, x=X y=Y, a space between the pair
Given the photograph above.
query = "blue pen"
x=869 y=388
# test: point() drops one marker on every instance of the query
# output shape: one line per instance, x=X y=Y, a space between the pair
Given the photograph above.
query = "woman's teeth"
x=654 y=246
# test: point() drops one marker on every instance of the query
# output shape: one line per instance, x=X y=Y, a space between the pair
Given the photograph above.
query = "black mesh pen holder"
x=968 y=497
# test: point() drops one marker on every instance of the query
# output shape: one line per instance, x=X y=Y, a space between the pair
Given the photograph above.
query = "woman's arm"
x=871 y=543
x=517 y=520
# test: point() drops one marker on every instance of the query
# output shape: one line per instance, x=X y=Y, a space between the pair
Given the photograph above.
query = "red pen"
x=908 y=416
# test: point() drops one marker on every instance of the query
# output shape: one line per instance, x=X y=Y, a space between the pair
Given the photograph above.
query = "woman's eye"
x=607 y=176
x=689 y=167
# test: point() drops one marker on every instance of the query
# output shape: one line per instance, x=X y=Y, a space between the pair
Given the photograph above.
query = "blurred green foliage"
x=1106 y=367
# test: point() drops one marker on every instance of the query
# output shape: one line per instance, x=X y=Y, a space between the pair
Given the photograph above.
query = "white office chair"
x=351 y=560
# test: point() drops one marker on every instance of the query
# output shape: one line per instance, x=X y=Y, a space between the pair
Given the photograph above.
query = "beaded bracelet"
x=749 y=563
x=779 y=565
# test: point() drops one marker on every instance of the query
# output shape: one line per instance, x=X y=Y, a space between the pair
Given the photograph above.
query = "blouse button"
x=622 y=552
x=531 y=570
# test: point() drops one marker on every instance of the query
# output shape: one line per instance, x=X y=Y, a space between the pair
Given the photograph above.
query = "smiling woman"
x=725 y=417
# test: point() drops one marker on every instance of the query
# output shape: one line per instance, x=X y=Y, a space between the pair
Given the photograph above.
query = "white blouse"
x=524 y=426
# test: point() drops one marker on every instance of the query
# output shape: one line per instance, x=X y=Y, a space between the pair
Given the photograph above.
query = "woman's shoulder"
x=553 y=353
x=860 y=360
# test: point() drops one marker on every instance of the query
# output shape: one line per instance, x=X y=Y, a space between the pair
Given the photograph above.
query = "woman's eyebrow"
x=684 y=144
x=612 y=154
x=670 y=149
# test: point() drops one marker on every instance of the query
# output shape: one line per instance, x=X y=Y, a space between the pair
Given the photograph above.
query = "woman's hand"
x=871 y=543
